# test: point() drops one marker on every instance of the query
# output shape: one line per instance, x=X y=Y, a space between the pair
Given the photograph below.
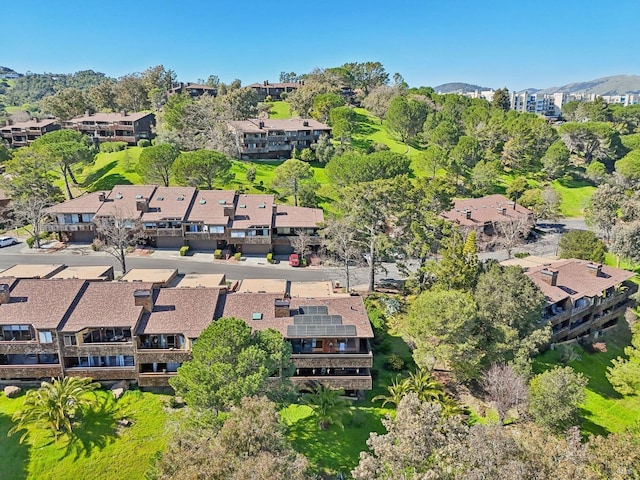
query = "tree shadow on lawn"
x=110 y=181
x=364 y=125
x=588 y=427
x=14 y=456
x=97 y=429
x=94 y=176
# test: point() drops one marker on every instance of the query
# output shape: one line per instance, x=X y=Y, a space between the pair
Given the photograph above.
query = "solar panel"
x=317 y=320
x=313 y=309
x=310 y=331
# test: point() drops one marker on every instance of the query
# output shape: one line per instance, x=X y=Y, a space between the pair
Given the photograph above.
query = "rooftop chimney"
x=123 y=113
x=142 y=205
x=5 y=294
x=594 y=269
x=305 y=123
x=467 y=214
x=101 y=197
x=7 y=122
x=513 y=204
x=282 y=308
x=144 y=299
x=266 y=82
x=503 y=210
x=261 y=124
x=87 y=113
x=549 y=276
x=35 y=119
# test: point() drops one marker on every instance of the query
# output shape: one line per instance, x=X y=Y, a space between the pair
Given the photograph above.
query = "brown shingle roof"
x=106 y=304
x=244 y=305
x=298 y=217
x=166 y=204
x=114 y=117
x=575 y=281
x=88 y=203
x=484 y=210
x=211 y=212
x=122 y=200
x=29 y=124
x=287 y=125
x=274 y=85
x=181 y=310
x=41 y=303
x=257 y=211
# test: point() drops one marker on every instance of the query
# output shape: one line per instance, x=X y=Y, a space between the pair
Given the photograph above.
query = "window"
x=216 y=229
x=237 y=234
x=45 y=337
x=16 y=332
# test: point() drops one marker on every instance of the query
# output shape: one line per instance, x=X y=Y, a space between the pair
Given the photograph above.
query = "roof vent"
x=242 y=205
x=256 y=316
x=119 y=196
x=180 y=199
x=202 y=201
x=160 y=199
x=262 y=205
x=221 y=202
x=138 y=197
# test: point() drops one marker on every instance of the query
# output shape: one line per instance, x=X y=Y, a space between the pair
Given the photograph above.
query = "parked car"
x=8 y=241
x=294 y=260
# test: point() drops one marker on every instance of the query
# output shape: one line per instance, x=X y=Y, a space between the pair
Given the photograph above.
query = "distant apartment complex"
x=273 y=90
x=194 y=90
x=111 y=331
x=273 y=138
x=22 y=134
x=203 y=219
x=113 y=127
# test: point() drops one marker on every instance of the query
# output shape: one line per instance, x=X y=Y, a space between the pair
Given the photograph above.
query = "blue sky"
x=495 y=43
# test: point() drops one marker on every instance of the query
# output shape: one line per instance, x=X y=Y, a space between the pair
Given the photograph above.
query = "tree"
x=301 y=242
x=501 y=99
x=624 y=374
x=202 y=168
x=415 y=443
x=66 y=148
x=324 y=149
x=342 y=121
x=156 y=162
x=509 y=307
x=289 y=176
x=250 y=444
x=30 y=213
x=511 y=232
x=117 y=232
x=132 y=93
x=484 y=177
x=30 y=174
x=443 y=325
x=324 y=103
x=378 y=101
x=626 y=241
x=57 y=405
x=615 y=456
x=365 y=75
x=328 y=406
x=591 y=140
x=505 y=389
x=543 y=203
x=517 y=188
x=629 y=166
x=397 y=391
x=353 y=167
x=66 y=103
x=230 y=362
x=339 y=239
x=582 y=244
x=528 y=139
x=242 y=103
x=554 y=397
x=602 y=211
x=405 y=117
x=288 y=77
x=556 y=160
x=102 y=96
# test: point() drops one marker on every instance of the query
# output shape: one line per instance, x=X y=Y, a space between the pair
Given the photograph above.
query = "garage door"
x=283 y=250
x=169 y=242
x=202 y=245
x=256 y=249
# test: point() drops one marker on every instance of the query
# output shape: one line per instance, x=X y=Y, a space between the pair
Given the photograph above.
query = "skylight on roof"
x=180 y=199
x=221 y=202
x=262 y=205
x=256 y=316
x=119 y=196
x=160 y=199
x=138 y=197
x=202 y=201
x=242 y=205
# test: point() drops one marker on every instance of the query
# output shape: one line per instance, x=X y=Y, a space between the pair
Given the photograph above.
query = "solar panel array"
x=300 y=331
x=317 y=320
x=313 y=309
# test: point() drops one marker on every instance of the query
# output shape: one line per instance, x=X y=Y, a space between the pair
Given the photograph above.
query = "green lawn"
x=604 y=409
x=280 y=110
x=103 y=451
x=575 y=196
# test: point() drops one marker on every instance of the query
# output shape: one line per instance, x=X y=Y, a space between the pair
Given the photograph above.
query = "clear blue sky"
x=494 y=43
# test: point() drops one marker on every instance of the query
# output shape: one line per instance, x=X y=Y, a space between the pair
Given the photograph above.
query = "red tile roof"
x=485 y=210
x=244 y=305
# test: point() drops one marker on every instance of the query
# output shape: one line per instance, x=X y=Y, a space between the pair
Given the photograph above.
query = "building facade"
x=22 y=134
x=272 y=138
x=273 y=90
x=194 y=90
x=202 y=219
x=114 y=127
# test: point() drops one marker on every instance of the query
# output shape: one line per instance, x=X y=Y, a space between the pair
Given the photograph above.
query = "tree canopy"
x=201 y=168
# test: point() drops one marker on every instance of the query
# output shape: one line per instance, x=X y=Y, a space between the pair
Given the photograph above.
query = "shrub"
x=130 y=248
x=270 y=257
x=32 y=240
x=143 y=143
x=237 y=256
x=395 y=362
x=251 y=174
x=96 y=246
x=110 y=147
x=217 y=254
x=184 y=250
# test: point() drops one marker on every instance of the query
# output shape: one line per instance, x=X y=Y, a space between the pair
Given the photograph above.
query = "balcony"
x=355 y=382
x=68 y=227
x=103 y=373
x=332 y=360
x=205 y=236
x=14 y=347
x=155 y=379
x=99 y=349
x=251 y=240
x=48 y=371
x=163 y=356
x=163 y=232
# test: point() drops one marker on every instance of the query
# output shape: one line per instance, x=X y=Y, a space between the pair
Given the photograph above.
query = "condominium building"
x=114 y=127
x=273 y=90
x=202 y=219
x=22 y=134
x=194 y=90
x=273 y=138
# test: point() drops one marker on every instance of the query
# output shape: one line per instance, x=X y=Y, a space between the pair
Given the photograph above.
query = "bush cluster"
x=110 y=147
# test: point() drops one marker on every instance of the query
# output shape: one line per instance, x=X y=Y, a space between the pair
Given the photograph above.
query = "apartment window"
x=70 y=340
x=237 y=234
x=16 y=332
x=45 y=336
x=216 y=229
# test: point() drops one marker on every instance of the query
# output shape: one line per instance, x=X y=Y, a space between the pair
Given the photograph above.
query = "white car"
x=8 y=241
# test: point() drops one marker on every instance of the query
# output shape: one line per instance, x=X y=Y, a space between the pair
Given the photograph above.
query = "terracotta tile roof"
x=169 y=203
x=109 y=117
x=287 y=125
x=484 y=210
x=575 y=280
x=211 y=212
x=298 y=217
x=257 y=211
x=244 y=305
x=106 y=304
x=181 y=310
x=41 y=303
x=122 y=199
x=88 y=203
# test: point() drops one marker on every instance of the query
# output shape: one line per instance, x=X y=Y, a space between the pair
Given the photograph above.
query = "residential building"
x=22 y=134
x=535 y=102
x=481 y=214
x=202 y=219
x=582 y=298
x=114 y=127
x=194 y=90
x=91 y=273
x=273 y=90
x=27 y=270
x=329 y=336
x=274 y=138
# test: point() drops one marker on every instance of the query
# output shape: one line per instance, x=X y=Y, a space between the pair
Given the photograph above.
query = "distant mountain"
x=458 y=87
x=614 y=85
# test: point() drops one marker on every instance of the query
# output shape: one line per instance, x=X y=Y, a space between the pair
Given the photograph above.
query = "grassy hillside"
x=280 y=110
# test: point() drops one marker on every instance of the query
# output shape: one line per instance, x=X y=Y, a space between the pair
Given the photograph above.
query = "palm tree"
x=397 y=390
x=55 y=405
x=328 y=406
x=425 y=386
